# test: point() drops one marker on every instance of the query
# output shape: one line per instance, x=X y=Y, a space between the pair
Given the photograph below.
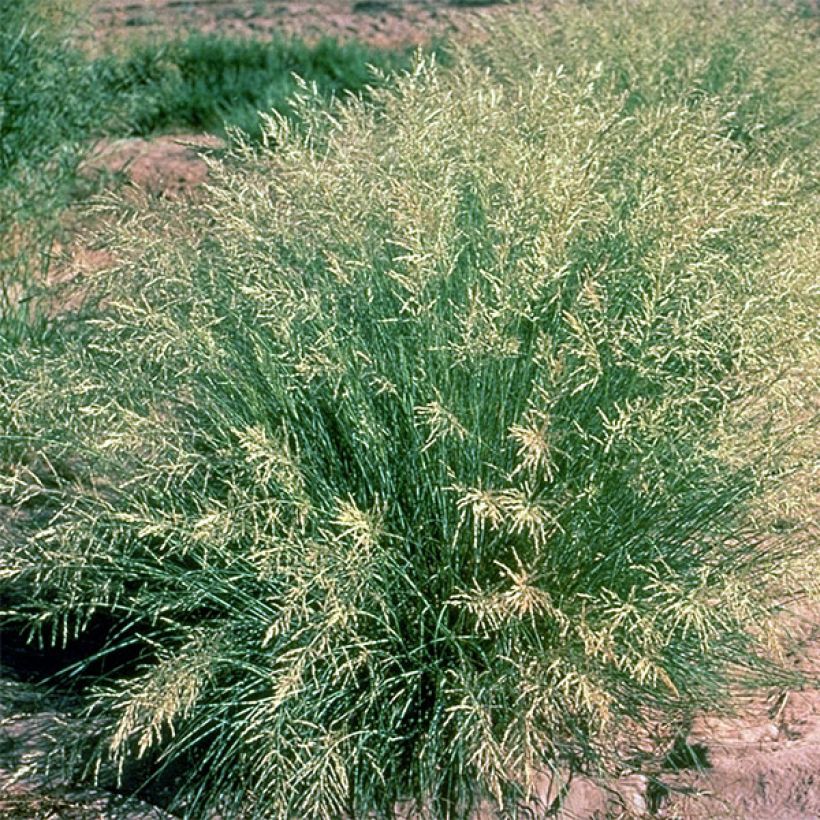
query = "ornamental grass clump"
x=421 y=459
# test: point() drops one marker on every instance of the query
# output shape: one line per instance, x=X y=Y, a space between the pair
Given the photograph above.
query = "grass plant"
x=46 y=109
x=423 y=458
x=210 y=83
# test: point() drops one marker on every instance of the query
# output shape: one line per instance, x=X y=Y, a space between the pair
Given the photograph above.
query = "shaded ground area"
x=36 y=727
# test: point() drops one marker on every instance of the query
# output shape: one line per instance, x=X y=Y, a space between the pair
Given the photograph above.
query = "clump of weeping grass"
x=423 y=458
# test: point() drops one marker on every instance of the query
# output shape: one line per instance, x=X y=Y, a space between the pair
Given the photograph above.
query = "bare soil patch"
x=169 y=166
x=385 y=23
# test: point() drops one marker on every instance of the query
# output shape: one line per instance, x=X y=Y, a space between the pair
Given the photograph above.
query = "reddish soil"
x=386 y=23
x=763 y=762
x=169 y=166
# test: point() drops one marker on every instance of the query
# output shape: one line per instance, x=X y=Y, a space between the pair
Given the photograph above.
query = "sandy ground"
x=763 y=763
x=378 y=22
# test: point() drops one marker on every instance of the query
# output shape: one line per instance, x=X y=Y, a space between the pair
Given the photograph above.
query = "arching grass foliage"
x=419 y=459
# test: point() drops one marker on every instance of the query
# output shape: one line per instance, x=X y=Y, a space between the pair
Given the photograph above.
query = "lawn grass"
x=428 y=454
